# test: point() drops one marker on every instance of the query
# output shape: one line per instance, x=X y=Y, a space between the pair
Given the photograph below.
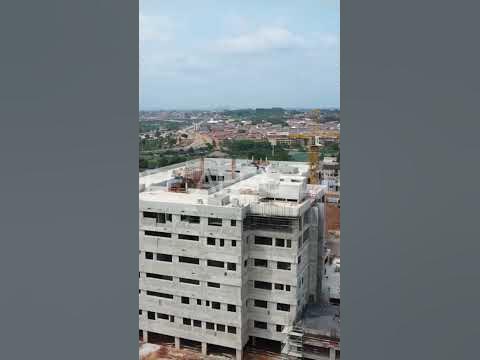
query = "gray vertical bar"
x=410 y=175
x=68 y=194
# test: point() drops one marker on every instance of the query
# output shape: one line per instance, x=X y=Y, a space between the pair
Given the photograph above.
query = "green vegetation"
x=168 y=157
x=157 y=144
x=152 y=161
x=257 y=116
x=246 y=149
x=331 y=149
x=301 y=153
x=146 y=126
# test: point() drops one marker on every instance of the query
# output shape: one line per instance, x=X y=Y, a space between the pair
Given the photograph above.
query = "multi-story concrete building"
x=229 y=252
x=330 y=174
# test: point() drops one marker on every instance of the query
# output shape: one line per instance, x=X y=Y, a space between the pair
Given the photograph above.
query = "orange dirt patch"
x=333 y=217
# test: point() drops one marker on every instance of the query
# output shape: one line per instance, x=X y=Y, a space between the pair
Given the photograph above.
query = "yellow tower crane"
x=313 y=155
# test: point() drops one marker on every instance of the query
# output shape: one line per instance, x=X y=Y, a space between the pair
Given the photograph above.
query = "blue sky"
x=239 y=53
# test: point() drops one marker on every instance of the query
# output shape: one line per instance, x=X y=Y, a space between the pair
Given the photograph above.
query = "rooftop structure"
x=230 y=252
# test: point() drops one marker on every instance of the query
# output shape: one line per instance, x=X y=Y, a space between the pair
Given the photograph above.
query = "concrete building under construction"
x=230 y=253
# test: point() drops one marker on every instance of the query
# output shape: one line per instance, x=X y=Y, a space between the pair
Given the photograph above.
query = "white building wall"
x=166 y=296
x=237 y=287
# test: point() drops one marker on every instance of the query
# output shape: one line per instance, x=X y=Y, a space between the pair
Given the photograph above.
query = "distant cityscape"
x=169 y=137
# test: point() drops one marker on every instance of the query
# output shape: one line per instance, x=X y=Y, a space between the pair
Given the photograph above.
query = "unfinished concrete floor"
x=157 y=352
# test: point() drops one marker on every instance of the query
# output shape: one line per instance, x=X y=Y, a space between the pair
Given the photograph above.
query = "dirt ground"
x=333 y=217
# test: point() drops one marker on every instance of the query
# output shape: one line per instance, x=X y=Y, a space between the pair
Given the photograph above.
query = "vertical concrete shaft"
x=332 y=354
x=204 y=348
x=239 y=354
x=177 y=343
x=145 y=336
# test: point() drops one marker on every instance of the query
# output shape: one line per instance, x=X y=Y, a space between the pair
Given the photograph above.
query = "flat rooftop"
x=321 y=318
x=276 y=180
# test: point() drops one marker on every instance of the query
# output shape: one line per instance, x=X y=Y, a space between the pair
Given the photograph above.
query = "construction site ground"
x=168 y=351
x=333 y=217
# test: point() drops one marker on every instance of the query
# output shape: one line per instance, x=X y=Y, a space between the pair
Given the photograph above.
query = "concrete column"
x=177 y=342
x=332 y=354
x=239 y=354
x=253 y=340
x=145 y=336
x=204 y=348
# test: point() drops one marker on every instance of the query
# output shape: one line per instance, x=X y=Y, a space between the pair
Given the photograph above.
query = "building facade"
x=222 y=266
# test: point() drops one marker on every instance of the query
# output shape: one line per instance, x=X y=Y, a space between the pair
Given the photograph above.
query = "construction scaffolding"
x=177 y=184
x=272 y=223
x=293 y=346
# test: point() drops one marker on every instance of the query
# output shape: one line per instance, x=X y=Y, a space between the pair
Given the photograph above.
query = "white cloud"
x=264 y=39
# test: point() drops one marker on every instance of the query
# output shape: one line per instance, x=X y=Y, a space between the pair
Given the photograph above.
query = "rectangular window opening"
x=188 y=237
x=162 y=316
x=164 y=257
x=262 y=285
x=214 y=221
x=215 y=263
x=190 y=219
x=158 y=234
x=215 y=305
x=149 y=215
x=189 y=281
x=260 y=304
x=284 y=265
x=260 y=324
x=158 y=294
x=189 y=260
x=260 y=262
x=262 y=240
x=283 y=307
x=160 y=277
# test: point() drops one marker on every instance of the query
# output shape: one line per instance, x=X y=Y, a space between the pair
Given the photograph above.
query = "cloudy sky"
x=239 y=53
